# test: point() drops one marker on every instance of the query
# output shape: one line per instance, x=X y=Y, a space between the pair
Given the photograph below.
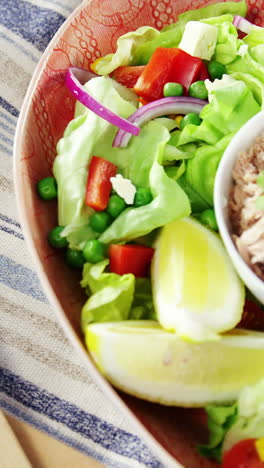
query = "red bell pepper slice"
x=203 y=74
x=99 y=186
x=130 y=258
x=165 y=65
x=127 y=76
x=244 y=454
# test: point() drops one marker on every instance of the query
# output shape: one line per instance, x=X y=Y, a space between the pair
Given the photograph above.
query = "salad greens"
x=114 y=297
x=229 y=424
x=111 y=295
x=84 y=136
x=220 y=419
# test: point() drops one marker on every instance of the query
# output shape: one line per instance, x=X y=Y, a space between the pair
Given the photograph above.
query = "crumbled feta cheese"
x=242 y=50
x=199 y=39
x=211 y=86
x=124 y=188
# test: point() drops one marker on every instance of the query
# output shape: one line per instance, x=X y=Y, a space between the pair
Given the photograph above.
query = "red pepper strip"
x=243 y=455
x=127 y=76
x=130 y=258
x=98 y=183
x=203 y=75
x=165 y=65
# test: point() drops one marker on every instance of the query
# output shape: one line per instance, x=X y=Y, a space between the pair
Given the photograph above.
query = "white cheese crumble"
x=199 y=39
x=242 y=50
x=124 y=188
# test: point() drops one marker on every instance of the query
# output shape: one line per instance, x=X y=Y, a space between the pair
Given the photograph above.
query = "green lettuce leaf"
x=145 y=169
x=171 y=35
x=230 y=424
x=111 y=294
x=220 y=419
x=227 y=41
x=255 y=37
x=142 y=307
x=250 y=416
x=125 y=51
x=169 y=38
x=255 y=85
x=231 y=106
x=113 y=297
x=247 y=64
x=200 y=173
x=85 y=135
x=210 y=11
x=257 y=53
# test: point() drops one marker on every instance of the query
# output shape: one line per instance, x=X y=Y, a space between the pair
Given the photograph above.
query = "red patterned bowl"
x=92 y=31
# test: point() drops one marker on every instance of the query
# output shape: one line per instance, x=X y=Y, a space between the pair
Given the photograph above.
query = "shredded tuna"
x=247 y=221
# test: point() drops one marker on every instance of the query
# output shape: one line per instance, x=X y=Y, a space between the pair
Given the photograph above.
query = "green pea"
x=115 y=206
x=191 y=118
x=216 y=70
x=47 y=188
x=198 y=90
x=94 y=251
x=143 y=197
x=74 y=258
x=55 y=239
x=172 y=89
x=100 y=221
x=207 y=217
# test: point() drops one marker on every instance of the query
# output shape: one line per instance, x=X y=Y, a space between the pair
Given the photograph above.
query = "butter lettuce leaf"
x=85 y=136
x=227 y=41
x=125 y=51
x=232 y=105
x=247 y=64
x=232 y=423
x=114 y=297
x=220 y=419
x=210 y=11
x=140 y=161
x=254 y=84
x=250 y=416
x=142 y=307
x=198 y=179
x=111 y=295
x=169 y=200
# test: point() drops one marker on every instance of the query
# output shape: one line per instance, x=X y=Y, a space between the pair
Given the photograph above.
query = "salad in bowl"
x=166 y=317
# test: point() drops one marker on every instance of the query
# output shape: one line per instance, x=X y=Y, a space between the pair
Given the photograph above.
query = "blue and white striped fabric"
x=42 y=381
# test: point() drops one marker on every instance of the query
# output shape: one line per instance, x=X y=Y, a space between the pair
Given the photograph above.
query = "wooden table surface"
x=23 y=446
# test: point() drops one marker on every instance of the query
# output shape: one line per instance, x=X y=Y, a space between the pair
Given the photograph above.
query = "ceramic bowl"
x=91 y=31
x=223 y=182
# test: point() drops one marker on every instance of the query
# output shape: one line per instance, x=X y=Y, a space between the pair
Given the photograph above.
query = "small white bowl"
x=242 y=141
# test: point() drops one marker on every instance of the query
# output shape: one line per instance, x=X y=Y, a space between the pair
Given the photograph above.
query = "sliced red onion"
x=164 y=106
x=243 y=24
x=74 y=79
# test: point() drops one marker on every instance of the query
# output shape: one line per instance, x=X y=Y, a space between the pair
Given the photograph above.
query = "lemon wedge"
x=196 y=290
x=142 y=359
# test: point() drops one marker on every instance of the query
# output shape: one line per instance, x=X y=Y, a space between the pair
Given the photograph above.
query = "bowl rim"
x=252 y=128
x=158 y=450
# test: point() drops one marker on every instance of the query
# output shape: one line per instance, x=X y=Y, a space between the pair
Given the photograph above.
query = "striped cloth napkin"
x=42 y=381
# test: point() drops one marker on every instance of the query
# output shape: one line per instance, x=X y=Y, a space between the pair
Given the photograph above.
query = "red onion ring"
x=163 y=106
x=74 y=77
